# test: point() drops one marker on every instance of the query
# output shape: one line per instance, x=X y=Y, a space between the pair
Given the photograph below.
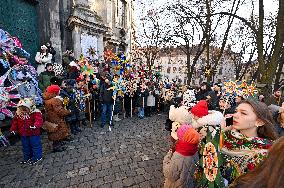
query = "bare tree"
x=149 y=38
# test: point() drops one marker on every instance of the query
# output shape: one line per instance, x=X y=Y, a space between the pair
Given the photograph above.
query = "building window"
x=121 y=13
x=174 y=69
x=169 y=70
x=220 y=71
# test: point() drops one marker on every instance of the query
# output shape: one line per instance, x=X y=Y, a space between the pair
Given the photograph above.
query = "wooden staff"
x=131 y=107
x=111 y=117
x=90 y=114
x=124 y=113
x=94 y=109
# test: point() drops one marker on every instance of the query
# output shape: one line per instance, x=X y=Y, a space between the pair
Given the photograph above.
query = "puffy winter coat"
x=56 y=114
x=44 y=79
x=23 y=126
x=179 y=170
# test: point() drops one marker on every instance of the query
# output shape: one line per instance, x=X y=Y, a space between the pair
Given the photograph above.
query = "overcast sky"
x=270 y=7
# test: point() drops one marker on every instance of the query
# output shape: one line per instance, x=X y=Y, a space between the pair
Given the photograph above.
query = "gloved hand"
x=33 y=127
x=13 y=132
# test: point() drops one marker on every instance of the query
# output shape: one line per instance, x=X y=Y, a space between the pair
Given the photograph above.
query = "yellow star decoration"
x=207 y=71
x=92 y=51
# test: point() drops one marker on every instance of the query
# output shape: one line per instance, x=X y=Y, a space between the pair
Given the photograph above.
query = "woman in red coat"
x=27 y=123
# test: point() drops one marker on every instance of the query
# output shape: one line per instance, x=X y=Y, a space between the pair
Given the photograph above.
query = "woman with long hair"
x=269 y=174
x=247 y=144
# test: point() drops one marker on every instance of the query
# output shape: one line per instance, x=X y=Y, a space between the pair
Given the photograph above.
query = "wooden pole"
x=131 y=107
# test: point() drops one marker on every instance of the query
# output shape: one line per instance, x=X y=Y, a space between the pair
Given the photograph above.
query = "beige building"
x=174 y=67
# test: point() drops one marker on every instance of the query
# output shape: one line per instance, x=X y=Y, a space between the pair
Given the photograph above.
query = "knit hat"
x=200 y=109
x=188 y=134
x=26 y=102
x=53 y=89
x=43 y=47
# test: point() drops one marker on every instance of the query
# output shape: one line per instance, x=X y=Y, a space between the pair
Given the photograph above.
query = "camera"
x=229 y=121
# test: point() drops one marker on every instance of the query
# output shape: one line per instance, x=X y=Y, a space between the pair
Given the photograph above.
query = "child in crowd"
x=56 y=113
x=178 y=164
x=27 y=123
x=68 y=93
x=80 y=101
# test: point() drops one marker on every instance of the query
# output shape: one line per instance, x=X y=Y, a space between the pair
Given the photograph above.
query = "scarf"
x=243 y=153
x=185 y=148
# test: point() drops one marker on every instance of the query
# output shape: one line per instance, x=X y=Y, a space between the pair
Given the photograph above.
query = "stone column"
x=55 y=36
x=76 y=36
x=100 y=46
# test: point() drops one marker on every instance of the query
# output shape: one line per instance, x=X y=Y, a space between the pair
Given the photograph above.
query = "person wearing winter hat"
x=27 y=123
x=42 y=58
x=68 y=93
x=200 y=109
x=201 y=117
x=56 y=113
x=179 y=165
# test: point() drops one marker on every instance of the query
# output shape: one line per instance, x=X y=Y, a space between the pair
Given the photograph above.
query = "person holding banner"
x=106 y=100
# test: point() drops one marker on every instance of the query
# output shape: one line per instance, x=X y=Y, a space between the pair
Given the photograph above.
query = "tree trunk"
x=189 y=73
x=259 y=43
x=279 y=73
x=277 y=47
x=208 y=33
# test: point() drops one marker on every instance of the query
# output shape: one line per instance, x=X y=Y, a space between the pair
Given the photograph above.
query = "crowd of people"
x=226 y=141
x=248 y=142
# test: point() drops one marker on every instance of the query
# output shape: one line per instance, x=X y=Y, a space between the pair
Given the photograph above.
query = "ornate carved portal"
x=88 y=30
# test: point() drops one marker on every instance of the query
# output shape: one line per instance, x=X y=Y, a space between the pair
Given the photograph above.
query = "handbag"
x=48 y=126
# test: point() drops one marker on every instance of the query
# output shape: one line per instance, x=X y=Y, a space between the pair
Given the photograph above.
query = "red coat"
x=22 y=127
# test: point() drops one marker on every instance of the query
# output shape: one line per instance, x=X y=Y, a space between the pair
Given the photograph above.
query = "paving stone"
x=128 y=156
x=145 y=184
x=117 y=184
x=128 y=182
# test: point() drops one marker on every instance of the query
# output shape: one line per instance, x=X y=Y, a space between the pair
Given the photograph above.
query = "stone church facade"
x=81 y=24
x=70 y=24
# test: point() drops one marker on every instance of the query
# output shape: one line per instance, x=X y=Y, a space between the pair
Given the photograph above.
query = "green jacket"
x=44 y=79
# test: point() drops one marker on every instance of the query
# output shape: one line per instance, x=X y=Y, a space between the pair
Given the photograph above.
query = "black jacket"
x=105 y=94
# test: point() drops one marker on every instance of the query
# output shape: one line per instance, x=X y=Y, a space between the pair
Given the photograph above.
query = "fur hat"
x=188 y=134
x=53 y=89
x=200 y=109
x=180 y=114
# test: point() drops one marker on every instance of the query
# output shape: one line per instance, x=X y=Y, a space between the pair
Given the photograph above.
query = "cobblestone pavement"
x=130 y=155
